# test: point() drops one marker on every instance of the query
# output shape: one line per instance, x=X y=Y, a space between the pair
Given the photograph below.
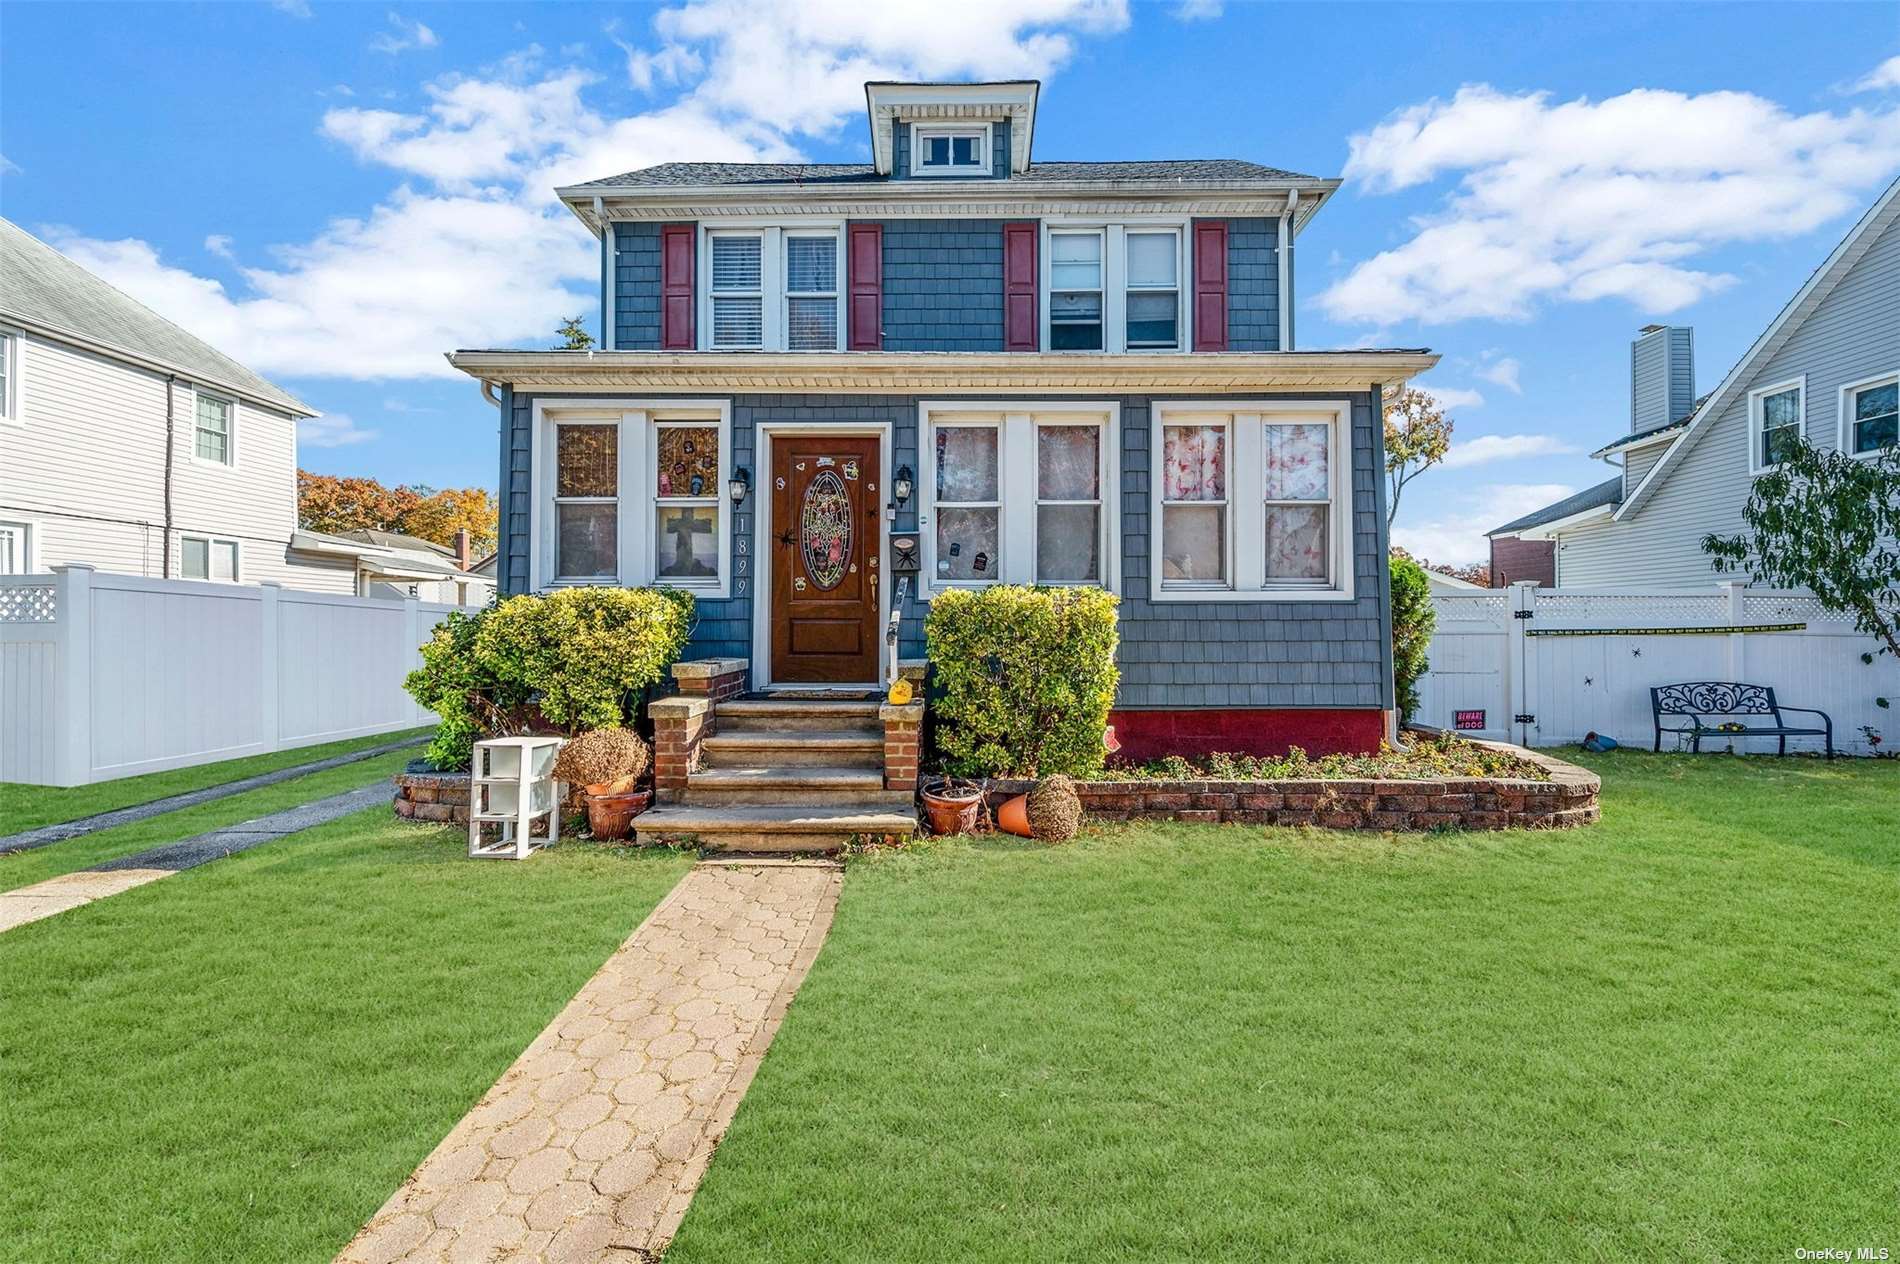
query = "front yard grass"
x=243 y=1062
x=24 y=807
x=1670 y=1036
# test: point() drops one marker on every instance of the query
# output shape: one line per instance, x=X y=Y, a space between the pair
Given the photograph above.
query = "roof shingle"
x=702 y=174
x=1608 y=492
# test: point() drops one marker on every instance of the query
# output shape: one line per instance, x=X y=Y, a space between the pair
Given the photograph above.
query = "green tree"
x=1417 y=437
x=1412 y=622
x=1828 y=523
x=574 y=335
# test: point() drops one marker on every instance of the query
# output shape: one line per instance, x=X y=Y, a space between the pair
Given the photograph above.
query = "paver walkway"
x=590 y=1146
x=69 y=891
x=60 y=831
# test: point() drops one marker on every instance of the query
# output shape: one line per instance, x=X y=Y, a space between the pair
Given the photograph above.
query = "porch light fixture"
x=738 y=485
x=901 y=487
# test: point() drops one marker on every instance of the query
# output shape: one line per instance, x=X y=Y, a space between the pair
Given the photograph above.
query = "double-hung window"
x=16 y=548
x=213 y=426
x=738 y=292
x=1871 y=416
x=1775 y=415
x=686 y=489
x=811 y=291
x=950 y=151
x=207 y=557
x=1068 y=503
x=1154 y=290
x=586 y=501
x=1075 y=289
x=968 y=502
x=1254 y=503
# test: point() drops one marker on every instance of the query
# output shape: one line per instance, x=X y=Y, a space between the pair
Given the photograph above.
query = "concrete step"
x=795 y=785
x=739 y=715
x=772 y=828
x=840 y=748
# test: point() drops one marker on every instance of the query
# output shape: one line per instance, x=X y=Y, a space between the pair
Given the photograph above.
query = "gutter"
x=171 y=429
x=1284 y=300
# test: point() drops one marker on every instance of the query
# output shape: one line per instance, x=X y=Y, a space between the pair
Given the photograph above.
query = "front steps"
x=785 y=775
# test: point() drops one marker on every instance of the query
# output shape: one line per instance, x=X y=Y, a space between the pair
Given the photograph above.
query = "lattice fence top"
x=27 y=603
x=1461 y=611
x=1632 y=610
x=1791 y=608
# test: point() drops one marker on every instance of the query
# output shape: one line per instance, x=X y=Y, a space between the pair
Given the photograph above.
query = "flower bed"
x=1530 y=790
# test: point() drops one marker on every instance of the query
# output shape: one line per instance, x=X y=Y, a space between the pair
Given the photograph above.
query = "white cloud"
x=1199 y=10
x=1884 y=76
x=335 y=430
x=1504 y=372
x=1485 y=449
x=405 y=34
x=1454 y=532
x=295 y=8
x=1450 y=397
x=1580 y=200
x=219 y=244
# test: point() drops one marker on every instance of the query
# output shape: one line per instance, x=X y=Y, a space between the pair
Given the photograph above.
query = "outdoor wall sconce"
x=738 y=485
x=901 y=487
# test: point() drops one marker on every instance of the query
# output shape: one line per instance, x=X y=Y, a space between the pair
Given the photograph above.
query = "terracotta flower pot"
x=611 y=815
x=620 y=785
x=1013 y=816
x=952 y=811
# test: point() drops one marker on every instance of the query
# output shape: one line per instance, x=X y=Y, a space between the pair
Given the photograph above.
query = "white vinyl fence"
x=106 y=675
x=1545 y=666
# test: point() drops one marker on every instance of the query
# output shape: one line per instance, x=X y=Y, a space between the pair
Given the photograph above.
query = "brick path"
x=590 y=1146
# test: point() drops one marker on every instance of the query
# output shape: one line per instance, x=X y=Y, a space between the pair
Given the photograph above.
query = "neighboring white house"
x=1827 y=368
x=390 y=564
x=129 y=444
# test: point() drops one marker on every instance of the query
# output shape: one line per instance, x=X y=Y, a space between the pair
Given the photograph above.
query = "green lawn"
x=1673 y=1036
x=22 y=868
x=26 y=807
x=241 y=1063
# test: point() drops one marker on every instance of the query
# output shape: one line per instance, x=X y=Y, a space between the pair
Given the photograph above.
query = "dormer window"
x=951 y=151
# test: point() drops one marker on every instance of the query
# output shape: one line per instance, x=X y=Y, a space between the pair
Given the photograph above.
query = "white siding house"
x=1836 y=345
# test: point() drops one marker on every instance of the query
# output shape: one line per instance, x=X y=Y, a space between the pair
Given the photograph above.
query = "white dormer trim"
x=1012 y=104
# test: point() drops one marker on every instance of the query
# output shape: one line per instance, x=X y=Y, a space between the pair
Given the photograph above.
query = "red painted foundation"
x=1146 y=735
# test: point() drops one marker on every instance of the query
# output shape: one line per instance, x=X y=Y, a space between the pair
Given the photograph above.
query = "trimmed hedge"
x=1025 y=678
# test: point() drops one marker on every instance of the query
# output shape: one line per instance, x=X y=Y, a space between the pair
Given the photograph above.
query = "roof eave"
x=1544 y=530
x=580 y=198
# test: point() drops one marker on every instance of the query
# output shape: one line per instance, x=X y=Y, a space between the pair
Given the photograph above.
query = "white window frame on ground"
x=1757 y=401
x=835 y=294
x=230 y=428
x=212 y=542
x=1849 y=394
x=921 y=134
x=637 y=486
x=1244 y=552
x=19 y=542
x=1115 y=288
x=1018 y=425
x=11 y=343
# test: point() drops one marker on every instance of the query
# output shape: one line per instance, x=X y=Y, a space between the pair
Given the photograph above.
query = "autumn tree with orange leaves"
x=329 y=503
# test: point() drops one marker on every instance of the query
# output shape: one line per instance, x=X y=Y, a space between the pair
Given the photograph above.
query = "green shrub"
x=1412 y=622
x=576 y=659
x=1026 y=677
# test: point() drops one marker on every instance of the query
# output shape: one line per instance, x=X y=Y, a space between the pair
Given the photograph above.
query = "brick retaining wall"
x=432 y=796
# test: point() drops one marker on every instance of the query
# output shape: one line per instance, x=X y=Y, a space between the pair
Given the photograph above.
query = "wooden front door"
x=825 y=544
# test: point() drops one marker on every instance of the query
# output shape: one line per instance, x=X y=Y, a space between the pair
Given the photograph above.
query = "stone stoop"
x=778 y=775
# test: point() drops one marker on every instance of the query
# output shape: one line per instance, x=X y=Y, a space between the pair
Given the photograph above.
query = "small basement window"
x=943 y=151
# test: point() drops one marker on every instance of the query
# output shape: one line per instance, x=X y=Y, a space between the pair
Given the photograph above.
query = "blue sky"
x=337 y=193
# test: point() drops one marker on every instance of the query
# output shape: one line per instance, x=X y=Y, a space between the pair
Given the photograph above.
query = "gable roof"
x=46 y=290
x=765 y=174
x=1604 y=493
x=1882 y=214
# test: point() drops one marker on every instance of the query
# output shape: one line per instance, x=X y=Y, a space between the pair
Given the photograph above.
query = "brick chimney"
x=464 y=548
x=1662 y=376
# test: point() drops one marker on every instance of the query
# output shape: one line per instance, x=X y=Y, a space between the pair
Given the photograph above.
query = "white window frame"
x=772 y=265
x=1846 y=406
x=714 y=496
x=557 y=500
x=638 y=486
x=1016 y=423
x=12 y=345
x=28 y=531
x=1115 y=279
x=1756 y=399
x=767 y=264
x=1246 y=542
x=836 y=293
x=212 y=542
x=1049 y=233
x=985 y=144
x=231 y=429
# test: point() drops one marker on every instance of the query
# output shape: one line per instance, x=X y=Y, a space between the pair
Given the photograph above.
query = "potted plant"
x=951 y=805
x=607 y=765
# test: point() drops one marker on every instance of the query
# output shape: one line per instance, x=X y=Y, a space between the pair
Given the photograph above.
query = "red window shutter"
x=1210 y=285
x=865 y=253
x=1019 y=287
x=676 y=287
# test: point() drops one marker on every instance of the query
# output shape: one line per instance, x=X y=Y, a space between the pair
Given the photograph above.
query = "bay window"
x=1253 y=501
x=1870 y=415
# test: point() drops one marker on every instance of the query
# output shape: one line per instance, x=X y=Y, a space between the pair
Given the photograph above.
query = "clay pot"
x=1013 y=816
x=952 y=810
x=620 y=785
x=611 y=815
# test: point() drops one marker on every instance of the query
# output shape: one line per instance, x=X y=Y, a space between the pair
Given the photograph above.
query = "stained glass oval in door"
x=825 y=529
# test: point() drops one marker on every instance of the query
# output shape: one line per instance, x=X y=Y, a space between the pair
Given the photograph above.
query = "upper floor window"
x=738 y=290
x=1075 y=290
x=1871 y=415
x=9 y=376
x=16 y=548
x=1775 y=416
x=207 y=557
x=775 y=288
x=944 y=151
x=811 y=291
x=1154 y=290
x=213 y=428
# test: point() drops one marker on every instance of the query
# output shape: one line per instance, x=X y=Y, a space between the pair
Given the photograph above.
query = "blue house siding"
x=1253 y=284
x=943 y=285
x=1174 y=655
x=636 y=287
x=517 y=430
x=901 y=150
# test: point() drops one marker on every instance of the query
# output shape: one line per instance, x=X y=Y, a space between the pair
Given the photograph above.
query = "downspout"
x=171 y=427
x=1392 y=735
x=606 y=276
x=1286 y=270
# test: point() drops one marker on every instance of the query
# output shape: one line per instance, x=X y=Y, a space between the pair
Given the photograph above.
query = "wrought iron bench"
x=1702 y=700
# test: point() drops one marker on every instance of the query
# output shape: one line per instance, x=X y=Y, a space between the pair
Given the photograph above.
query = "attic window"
x=945 y=151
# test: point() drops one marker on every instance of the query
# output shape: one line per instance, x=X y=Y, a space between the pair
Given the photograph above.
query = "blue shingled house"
x=828 y=392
